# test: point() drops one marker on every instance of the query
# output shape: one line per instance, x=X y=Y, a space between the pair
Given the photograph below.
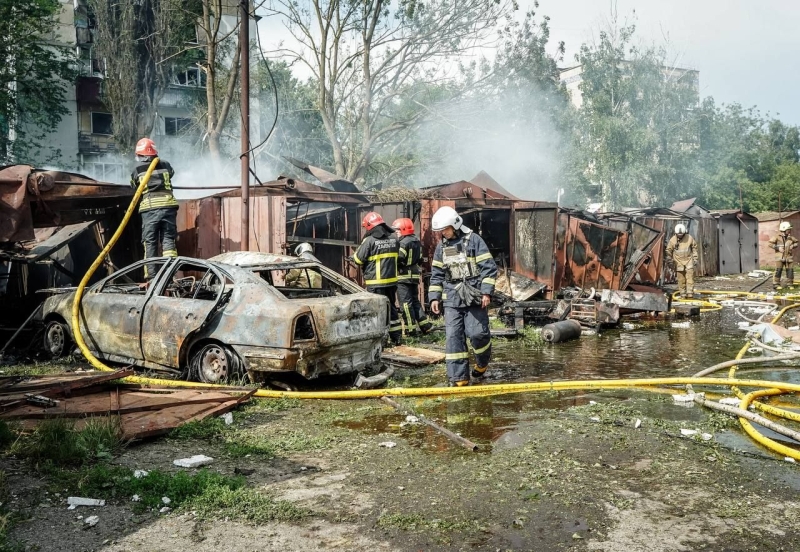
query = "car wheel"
x=56 y=339
x=215 y=363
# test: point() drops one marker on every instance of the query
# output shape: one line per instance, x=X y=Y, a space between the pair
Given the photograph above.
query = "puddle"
x=649 y=351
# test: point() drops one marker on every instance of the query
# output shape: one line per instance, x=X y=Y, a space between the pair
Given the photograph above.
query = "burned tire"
x=215 y=363
x=56 y=340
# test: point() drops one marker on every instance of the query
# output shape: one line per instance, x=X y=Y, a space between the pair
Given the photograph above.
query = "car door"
x=112 y=312
x=181 y=303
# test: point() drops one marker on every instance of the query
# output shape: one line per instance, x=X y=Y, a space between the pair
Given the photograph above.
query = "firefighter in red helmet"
x=158 y=207
x=408 y=278
x=377 y=256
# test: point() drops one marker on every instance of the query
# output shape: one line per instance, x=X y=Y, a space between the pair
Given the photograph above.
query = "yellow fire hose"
x=767 y=388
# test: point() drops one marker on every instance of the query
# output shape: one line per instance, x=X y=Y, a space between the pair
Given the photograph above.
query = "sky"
x=746 y=51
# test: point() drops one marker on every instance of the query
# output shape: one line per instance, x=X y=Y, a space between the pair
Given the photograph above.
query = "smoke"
x=512 y=135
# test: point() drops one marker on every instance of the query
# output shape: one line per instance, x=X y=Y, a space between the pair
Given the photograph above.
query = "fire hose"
x=765 y=388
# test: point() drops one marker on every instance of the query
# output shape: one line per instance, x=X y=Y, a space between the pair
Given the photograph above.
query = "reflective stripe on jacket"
x=410 y=256
x=377 y=256
x=476 y=250
x=159 y=188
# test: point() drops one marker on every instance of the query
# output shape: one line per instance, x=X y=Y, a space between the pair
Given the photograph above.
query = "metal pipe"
x=466 y=443
x=244 y=44
x=741 y=413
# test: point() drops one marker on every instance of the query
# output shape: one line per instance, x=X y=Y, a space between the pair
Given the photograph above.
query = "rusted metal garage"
x=768 y=222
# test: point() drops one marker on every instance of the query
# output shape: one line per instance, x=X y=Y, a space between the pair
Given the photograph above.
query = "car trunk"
x=347 y=318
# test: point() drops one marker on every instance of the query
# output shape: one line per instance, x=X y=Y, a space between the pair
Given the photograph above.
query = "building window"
x=101 y=123
x=175 y=125
x=105 y=172
x=192 y=76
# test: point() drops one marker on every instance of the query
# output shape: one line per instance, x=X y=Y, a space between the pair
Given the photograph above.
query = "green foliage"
x=59 y=443
x=118 y=483
x=33 y=79
x=208 y=428
x=636 y=128
x=242 y=444
x=243 y=504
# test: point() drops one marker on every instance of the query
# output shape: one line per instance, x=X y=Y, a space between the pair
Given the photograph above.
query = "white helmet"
x=680 y=228
x=302 y=248
x=785 y=226
x=444 y=217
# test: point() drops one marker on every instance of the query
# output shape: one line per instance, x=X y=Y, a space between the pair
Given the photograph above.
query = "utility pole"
x=244 y=43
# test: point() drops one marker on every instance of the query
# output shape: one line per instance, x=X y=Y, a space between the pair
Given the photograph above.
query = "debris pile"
x=142 y=412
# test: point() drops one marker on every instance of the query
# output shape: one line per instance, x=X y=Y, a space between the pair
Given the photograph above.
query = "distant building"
x=571 y=77
x=84 y=136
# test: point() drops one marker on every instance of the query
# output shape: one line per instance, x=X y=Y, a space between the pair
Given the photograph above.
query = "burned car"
x=211 y=322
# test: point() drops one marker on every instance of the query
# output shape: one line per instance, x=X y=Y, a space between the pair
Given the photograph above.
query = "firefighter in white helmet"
x=304 y=277
x=463 y=276
x=783 y=244
x=682 y=250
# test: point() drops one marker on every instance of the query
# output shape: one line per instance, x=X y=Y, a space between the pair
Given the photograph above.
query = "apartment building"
x=83 y=140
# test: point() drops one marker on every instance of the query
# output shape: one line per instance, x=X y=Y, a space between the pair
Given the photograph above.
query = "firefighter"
x=377 y=256
x=158 y=207
x=682 y=250
x=783 y=244
x=304 y=277
x=462 y=281
x=408 y=278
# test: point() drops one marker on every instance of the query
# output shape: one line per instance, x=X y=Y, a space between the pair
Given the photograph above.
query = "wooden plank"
x=413 y=356
x=64 y=384
x=127 y=402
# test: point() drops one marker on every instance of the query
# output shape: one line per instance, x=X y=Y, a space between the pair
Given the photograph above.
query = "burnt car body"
x=211 y=321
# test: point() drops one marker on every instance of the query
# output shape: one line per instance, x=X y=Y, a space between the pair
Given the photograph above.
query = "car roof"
x=255 y=258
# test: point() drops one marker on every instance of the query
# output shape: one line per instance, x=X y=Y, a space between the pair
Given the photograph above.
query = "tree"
x=637 y=125
x=34 y=74
x=371 y=60
x=141 y=42
x=221 y=76
x=299 y=131
x=747 y=160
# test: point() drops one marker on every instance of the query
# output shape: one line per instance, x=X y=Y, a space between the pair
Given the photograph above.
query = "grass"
x=60 y=443
x=242 y=444
x=36 y=369
x=532 y=337
x=208 y=494
x=206 y=429
x=243 y=504
x=417 y=522
x=119 y=483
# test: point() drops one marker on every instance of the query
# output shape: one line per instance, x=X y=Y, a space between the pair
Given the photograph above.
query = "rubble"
x=196 y=461
x=75 y=501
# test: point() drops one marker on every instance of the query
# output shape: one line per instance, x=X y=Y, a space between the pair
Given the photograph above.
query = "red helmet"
x=404 y=225
x=146 y=148
x=371 y=220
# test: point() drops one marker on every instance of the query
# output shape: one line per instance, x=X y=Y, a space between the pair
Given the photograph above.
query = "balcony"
x=89 y=143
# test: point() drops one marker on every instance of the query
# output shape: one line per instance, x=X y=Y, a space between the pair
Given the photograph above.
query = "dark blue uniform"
x=408 y=285
x=377 y=256
x=461 y=271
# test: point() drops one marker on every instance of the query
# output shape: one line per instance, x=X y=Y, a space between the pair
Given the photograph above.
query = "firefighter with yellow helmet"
x=682 y=250
x=783 y=243
x=463 y=276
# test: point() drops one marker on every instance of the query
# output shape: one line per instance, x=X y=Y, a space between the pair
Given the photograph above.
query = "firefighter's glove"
x=468 y=294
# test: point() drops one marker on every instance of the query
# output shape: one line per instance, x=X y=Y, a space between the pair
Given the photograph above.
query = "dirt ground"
x=582 y=478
